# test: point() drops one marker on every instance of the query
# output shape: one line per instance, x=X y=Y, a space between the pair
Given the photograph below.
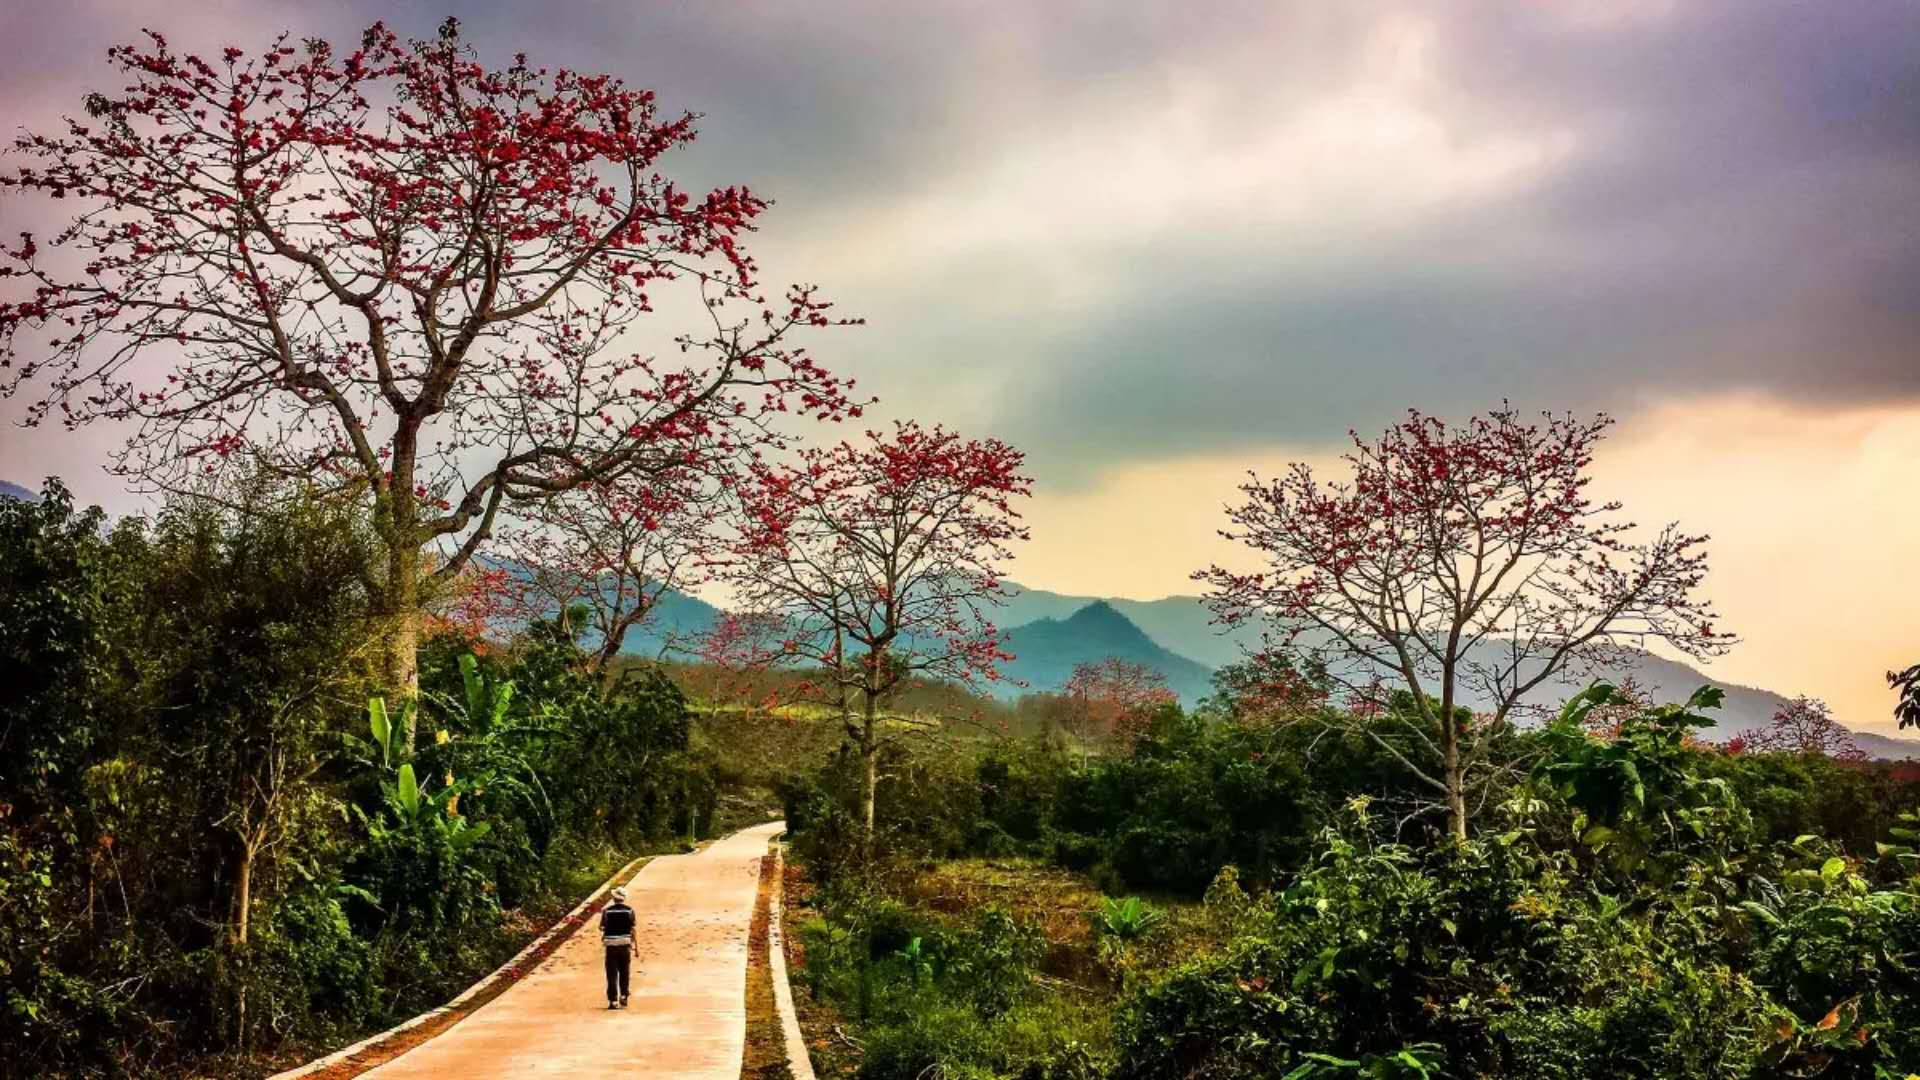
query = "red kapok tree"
x=613 y=550
x=400 y=269
x=1113 y=698
x=1269 y=687
x=1802 y=726
x=1467 y=565
x=874 y=564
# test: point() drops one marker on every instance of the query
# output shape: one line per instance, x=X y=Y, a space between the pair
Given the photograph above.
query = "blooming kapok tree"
x=1802 y=726
x=1466 y=565
x=1113 y=698
x=874 y=564
x=399 y=269
x=613 y=550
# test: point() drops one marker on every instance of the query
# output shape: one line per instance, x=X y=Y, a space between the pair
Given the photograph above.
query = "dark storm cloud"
x=1041 y=207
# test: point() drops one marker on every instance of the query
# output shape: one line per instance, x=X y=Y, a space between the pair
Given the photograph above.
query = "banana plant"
x=487 y=702
x=490 y=741
x=389 y=738
x=414 y=808
x=1119 y=923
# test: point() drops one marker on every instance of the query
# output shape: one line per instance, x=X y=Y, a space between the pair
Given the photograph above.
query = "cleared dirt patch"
x=766 y=1053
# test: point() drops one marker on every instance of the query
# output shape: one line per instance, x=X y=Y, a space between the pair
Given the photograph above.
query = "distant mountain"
x=1051 y=632
x=1888 y=747
x=1047 y=649
x=15 y=491
x=1181 y=626
x=1180 y=623
x=676 y=616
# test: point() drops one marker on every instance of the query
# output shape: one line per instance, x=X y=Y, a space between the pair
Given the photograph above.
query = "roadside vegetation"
x=214 y=843
x=1235 y=893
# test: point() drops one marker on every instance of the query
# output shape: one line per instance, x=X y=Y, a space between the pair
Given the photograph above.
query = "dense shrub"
x=953 y=995
x=1489 y=956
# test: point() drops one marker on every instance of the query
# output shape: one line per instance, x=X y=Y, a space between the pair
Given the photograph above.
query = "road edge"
x=512 y=969
x=798 y=1063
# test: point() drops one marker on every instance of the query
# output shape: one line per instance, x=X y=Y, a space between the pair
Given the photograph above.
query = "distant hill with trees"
x=1046 y=650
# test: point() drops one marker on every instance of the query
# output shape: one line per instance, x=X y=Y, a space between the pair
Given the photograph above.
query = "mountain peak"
x=1103 y=620
x=1047 y=649
x=1098 y=610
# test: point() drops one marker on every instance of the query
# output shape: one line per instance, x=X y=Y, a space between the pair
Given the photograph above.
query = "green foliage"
x=1191 y=797
x=1379 y=950
x=1903 y=845
x=1642 y=798
x=1119 y=923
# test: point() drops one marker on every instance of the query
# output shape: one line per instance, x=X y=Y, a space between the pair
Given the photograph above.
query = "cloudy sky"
x=1157 y=244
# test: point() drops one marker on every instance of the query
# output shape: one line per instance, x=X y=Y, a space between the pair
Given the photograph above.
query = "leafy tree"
x=1458 y=561
x=61 y=577
x=399 y=271
x=875 y=564
x=266 y=611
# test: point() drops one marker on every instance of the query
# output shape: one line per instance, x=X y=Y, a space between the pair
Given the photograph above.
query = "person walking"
x=616 y=933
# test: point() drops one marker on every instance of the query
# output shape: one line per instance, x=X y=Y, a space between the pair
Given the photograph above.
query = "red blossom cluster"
x=877 y=561
x=612 y=551
x=479 y=603
x=1270 y=686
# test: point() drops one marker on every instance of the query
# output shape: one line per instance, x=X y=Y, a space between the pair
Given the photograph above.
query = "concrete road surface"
x=688 y=1015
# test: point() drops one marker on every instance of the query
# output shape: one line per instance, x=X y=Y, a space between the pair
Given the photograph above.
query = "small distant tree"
x=1459 y=562
x=1605 y=717
x=1803 y=726
x=1269 y=686
x=399 y=272
x=873 y=564
x=1114 y=698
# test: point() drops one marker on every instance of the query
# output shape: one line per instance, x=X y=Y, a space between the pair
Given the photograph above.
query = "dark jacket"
x=616 y=924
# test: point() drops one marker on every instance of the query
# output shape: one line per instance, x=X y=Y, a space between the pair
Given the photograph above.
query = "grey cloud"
x=1741 y=209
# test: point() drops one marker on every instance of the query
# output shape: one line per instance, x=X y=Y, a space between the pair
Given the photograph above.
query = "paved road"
x=688 y=1016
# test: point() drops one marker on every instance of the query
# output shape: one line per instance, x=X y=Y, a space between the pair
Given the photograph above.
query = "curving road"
x=688 y=1016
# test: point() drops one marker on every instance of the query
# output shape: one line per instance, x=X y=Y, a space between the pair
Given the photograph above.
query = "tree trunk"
x=237 y=939
x=400 y=628
x=1451 y=770
x=1456 y=806
x=870 y=760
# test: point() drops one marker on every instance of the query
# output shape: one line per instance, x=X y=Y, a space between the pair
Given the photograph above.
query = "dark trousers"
x=619 y=971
